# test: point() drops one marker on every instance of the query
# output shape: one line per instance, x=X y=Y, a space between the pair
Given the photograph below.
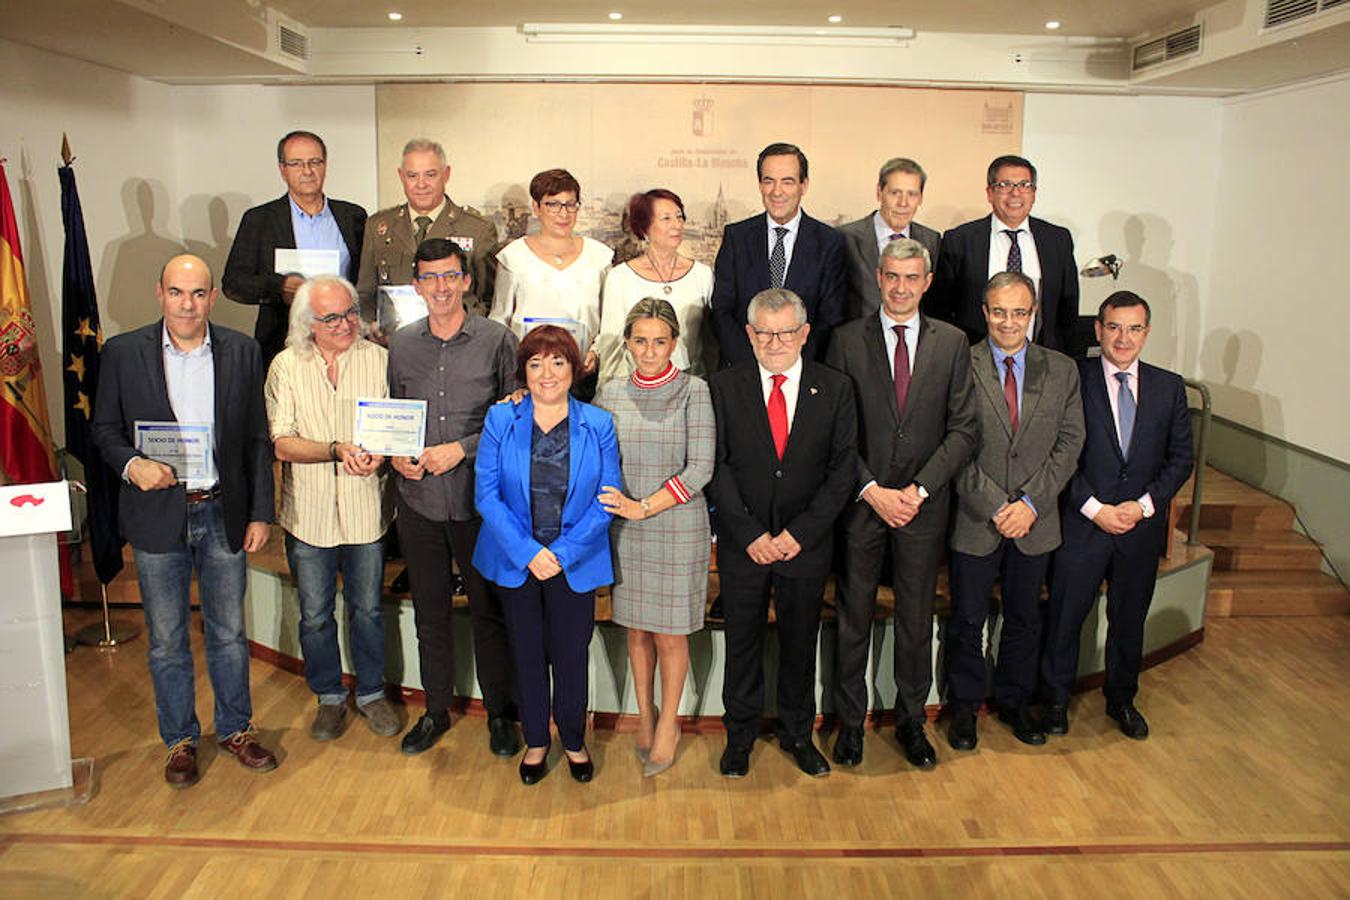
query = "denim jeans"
x=315 y=570
x=165 y=581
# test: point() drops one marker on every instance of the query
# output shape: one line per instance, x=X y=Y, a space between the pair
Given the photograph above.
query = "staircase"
x=1262 y=567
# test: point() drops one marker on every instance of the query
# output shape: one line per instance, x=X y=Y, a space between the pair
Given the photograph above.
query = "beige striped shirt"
x=320 y=503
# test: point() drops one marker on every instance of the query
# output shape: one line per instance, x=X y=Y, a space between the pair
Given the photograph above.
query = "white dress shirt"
x=792 y=225
x=892 y=339
x=1000 y=244
x=884 y=231
x=190 y=378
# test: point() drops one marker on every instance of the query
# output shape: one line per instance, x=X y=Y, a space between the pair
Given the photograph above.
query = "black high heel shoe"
x=533 y=773
x=582 y=771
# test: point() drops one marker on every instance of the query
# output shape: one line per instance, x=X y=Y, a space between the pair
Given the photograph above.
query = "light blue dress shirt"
x=320 y=232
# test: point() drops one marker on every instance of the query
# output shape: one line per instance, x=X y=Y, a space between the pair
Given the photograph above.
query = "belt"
x=201 y=496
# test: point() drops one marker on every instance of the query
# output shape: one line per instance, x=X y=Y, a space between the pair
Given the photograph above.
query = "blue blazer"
x=506 y=541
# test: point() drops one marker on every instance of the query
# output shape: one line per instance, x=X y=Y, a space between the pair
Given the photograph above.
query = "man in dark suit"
x=911 y=379
x=782 y=248
x=304 y=218
x=1008 y=240
x=181 y=374
x=900 y=187
x=1007 y=516
x=1137 y=455
x=786 y=434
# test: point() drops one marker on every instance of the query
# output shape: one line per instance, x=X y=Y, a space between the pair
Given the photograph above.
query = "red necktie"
x=778 y=423
x=901 y=371
x=1010 y=392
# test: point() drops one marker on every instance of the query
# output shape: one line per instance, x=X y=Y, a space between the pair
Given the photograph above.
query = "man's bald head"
x=189 y=263
x=186 y=295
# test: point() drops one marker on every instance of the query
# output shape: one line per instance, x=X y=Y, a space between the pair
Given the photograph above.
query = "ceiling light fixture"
x=1052 y=25
x=396 y=17
x=615 y=16
x=572 y=33
x=835 y=20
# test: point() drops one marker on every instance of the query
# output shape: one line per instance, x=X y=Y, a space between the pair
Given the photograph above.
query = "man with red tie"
x=916 y=416
x=786 y=433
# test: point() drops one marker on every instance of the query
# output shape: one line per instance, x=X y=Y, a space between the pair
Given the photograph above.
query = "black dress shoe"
x=400 y=584
x=428 y=730
x=735 y=761
x=582 y=771
x=1055 y=718
x=808 y=758
x=533 y=773
x=914 y=742
x=848 y=747
x=963 y=734
x=1025 y=727
x=1132 y=724
x=503 y=738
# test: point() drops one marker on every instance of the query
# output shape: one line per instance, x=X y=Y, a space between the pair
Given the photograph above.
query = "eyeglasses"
x=558 y=206
x=1017 y=315
x=437 y=277
x=293 y=164
x=333 y=320
x=768 y=337
x=1007 y=187
x=1114 y=328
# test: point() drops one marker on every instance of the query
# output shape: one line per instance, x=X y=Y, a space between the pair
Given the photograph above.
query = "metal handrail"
x=1201 y=454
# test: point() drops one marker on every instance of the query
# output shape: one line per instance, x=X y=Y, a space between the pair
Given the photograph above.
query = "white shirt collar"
x=793 y=372
x=791 y=224
x=998 y=226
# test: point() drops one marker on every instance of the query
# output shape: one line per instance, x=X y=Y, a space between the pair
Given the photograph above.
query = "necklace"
x=667 y=278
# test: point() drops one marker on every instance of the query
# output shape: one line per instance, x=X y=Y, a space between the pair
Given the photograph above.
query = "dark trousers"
x=427 y=546
x=1080 y=566
x=745 y=603
x=915 y=553
x=972 y=579
x=551 y=627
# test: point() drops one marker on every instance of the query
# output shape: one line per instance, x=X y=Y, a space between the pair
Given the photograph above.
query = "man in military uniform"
x=392 y=235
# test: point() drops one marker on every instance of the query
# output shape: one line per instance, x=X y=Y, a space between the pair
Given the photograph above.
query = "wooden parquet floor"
x=1243 y=790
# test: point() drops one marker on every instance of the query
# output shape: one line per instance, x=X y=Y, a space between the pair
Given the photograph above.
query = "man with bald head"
x=183 y=377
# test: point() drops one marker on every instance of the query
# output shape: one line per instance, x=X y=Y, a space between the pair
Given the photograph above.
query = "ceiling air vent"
x=292 y=42
x=1165 y=49
x=1278 y=12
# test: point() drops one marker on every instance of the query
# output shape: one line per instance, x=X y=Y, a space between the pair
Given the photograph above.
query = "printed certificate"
x=308 y=263
x=391 y=427
x=184 y=447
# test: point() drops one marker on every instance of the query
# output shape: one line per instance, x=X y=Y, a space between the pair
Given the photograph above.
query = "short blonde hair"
x=652 y=308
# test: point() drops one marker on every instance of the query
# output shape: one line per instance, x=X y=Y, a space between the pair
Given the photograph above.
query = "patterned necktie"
x=1126 y=410
x=1014 y=252
x=778 y=423
x=895 y=237
x=778 y=259
x=423 y=223
x=901 y=371
x=1010 y=391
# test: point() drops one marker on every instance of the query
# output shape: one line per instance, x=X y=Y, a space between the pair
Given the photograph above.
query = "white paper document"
x=390 y=427
x=184 y=447
x=308 y=263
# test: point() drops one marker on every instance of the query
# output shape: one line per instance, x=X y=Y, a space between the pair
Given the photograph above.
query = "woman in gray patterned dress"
x=664 y=421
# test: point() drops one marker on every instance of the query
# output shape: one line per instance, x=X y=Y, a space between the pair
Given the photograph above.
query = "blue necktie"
x=1126 y=407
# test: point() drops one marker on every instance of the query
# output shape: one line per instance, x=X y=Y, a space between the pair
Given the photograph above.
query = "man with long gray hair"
x=334 y=507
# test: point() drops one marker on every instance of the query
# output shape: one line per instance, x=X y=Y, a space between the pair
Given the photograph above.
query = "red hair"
x=546 y=341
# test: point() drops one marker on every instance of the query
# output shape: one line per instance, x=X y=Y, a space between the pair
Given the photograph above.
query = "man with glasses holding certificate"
x=334 y=506
x=1008 y=240
x=191 y=503
x=459 y=363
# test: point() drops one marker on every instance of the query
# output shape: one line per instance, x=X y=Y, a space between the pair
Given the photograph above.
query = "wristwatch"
x=923 y=492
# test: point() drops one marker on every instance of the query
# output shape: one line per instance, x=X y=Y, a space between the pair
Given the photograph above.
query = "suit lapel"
x=980 y=257
x=924 y=361
x=807 y=411
x=1094 y=395
x=152 y=356
x=400 y=230
x=990 y=381
x=875 y=343
x=522 y=433
x=804 y=254
x=758 y=254
x=753 y=402
x=870 y=254
x=578 y=434
x=285 y=228
x=223 y=366
x=1033 y=386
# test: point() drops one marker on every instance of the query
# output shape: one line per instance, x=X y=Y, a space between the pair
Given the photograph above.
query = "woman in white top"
x=661 y=272
x=553 y=277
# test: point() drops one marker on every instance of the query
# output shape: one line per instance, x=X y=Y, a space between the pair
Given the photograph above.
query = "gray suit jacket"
x=864 y=297
x=1037 y=462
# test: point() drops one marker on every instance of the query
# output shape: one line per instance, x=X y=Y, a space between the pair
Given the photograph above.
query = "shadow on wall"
x=206 y=220
x=132 y=263
x=1230 y=364
x=1144 y=241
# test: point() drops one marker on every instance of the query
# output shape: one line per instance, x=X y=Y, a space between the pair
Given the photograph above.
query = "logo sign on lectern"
x=34 y=508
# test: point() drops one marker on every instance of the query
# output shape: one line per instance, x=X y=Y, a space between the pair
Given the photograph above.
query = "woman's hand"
x=616 y=503
x=515 y=397
x=544 y=565
x=589 y=364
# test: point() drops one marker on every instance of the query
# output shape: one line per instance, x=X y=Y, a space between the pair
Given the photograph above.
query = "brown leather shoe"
x=180 y=770
x=251 y=754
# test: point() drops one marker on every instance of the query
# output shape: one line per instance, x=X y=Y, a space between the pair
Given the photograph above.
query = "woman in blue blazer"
x=545 y=538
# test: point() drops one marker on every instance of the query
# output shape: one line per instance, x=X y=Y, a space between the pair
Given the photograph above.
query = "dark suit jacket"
x=250 y=272
x=860 y=238
x=1036 y=463
x=1160 y=460
x=815 y=273
x=132 y=387
x=963 y=271
x=754 y=491
x=938 y=432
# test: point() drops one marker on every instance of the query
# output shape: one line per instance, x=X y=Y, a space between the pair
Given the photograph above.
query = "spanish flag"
x=26 y=454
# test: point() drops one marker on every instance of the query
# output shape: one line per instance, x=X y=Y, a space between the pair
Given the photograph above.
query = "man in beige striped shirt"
x=334 y=506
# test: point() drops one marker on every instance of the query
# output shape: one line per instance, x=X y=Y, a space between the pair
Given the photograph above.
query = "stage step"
x=1256 y=593
x=1261 y=550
